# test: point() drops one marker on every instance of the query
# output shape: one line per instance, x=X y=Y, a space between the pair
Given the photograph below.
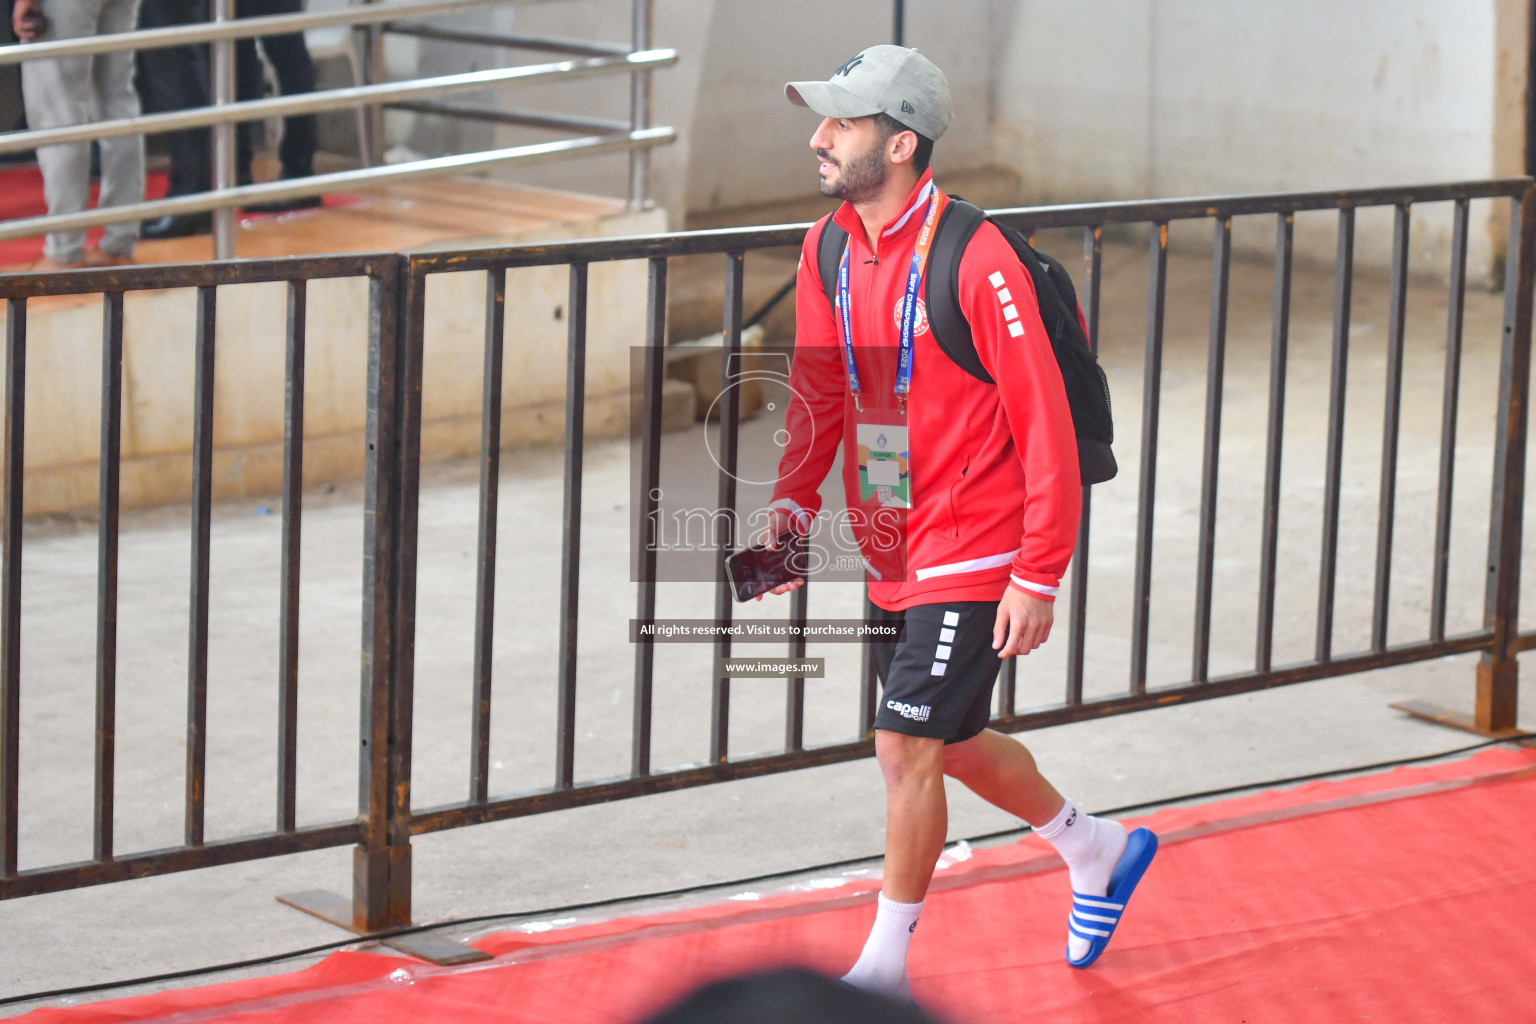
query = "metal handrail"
x=642 y=25
x=244 y=28
x=333 y=99
x=318 y=184
x=513 y=116
x=635 y=137
x=510 y=41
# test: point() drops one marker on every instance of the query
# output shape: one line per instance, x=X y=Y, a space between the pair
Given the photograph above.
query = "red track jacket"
x=994 y=474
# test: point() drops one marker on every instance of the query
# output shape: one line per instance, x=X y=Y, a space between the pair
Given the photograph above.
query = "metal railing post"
x=10 y=581
x=730 y=417
x=223 y=133
x=1497 y=668
x=640 y=106
x=409 y=340
x=371 y=874
x=1498 y=671
x=654 y=373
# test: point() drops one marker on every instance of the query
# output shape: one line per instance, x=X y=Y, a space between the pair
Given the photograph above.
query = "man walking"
x=983 y=477
x=65 y=91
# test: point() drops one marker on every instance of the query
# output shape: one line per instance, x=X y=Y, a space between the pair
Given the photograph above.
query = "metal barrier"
x=588 y=59
x=387 y=819
x=17 y=289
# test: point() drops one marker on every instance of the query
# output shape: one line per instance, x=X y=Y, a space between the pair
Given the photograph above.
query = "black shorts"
x=938 y=677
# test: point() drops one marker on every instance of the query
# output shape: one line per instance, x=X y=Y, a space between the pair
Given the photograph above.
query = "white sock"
x=1091 y=847
x=882 y=966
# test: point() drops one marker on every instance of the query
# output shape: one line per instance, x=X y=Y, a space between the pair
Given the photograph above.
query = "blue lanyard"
x=908 y=312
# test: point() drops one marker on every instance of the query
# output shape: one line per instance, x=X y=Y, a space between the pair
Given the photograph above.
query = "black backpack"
x=1086 y=386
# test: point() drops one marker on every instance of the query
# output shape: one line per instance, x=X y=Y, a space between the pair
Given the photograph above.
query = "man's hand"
x=1023 y=621
x=28 y=20
x=780 y=523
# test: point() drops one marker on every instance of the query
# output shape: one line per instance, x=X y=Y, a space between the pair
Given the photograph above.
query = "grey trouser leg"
x=76 y=90
x=122 y=158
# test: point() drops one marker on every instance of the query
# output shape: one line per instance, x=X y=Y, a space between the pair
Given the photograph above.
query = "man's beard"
x=859 y=178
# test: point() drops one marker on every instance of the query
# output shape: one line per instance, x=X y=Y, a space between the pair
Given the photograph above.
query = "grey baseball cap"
x=886 y=79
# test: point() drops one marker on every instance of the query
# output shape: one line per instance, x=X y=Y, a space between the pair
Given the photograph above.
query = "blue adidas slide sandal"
x=1094 y=917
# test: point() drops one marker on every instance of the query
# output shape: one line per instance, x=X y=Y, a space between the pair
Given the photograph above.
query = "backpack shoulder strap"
x=829 y=254
x=942 y=288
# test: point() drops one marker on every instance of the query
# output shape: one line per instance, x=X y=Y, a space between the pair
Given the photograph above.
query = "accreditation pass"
x=884 y=471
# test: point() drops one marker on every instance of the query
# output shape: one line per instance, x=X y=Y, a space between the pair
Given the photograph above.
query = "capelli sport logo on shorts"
x=916 y=712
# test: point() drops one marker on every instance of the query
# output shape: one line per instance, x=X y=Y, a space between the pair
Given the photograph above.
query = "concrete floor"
x=742 y=829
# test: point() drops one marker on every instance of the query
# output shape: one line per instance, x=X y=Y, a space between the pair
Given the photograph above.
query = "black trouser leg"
x=247 y=87
x=176 y=78
x=295 y=75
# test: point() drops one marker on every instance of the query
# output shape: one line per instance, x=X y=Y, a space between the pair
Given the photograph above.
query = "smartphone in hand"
x=757 y=570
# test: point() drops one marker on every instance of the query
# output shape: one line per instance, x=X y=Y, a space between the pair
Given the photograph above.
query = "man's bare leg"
x=1001 y=771
x=916 y=815
x=916 y=819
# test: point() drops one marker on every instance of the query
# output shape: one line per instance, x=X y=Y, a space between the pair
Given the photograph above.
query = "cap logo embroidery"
x=907 y=108
x=846 y=68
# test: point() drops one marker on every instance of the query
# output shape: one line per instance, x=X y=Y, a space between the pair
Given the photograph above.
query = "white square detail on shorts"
x=1003 y=295
x=1015 y=328
x=1010 y=312
x=996 y=279
x=951 y=618
x=941 y=652
x=938 y=668
x=946 y=636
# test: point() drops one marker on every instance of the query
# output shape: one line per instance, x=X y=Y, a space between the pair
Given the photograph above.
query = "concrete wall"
x=750 y=144
x=1112 y=99
x=741 y=142
x=1150 y=98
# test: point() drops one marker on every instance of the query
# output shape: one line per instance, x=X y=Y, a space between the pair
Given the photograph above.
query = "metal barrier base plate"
x=1455 y=719
x=337 y=910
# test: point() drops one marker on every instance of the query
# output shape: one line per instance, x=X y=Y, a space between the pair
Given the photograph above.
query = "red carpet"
x=1402 y=897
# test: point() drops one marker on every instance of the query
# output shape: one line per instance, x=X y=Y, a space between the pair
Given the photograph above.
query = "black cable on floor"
x=688 y=890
